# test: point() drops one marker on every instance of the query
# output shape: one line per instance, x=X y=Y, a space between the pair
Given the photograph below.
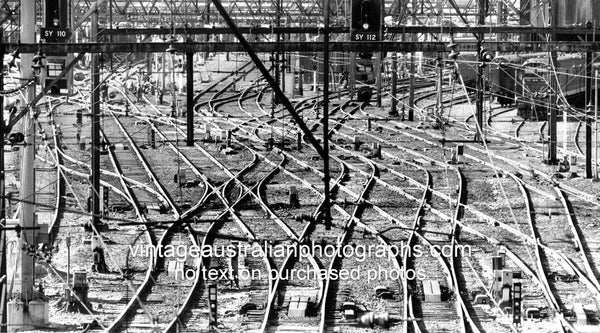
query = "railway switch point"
x=79 y=286
x=349 y=311
x=572 y=167
x=383 y=292
x=180 y=178
x=371 y=319
x=497 y=263
x=228 y=138
x=453 y=157
x=303 y=217
x=293 y=197
x=432 y=291
x=297 y=307
x=88 y=240
x=482 y=300
x=176 y=269
x=99 y=265
x=376 y=150
x=151 y=137
x=357 y=143
x=532 y=313
x=502 y=285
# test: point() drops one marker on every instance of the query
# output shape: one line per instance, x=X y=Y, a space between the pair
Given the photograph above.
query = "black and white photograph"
x=299 y=166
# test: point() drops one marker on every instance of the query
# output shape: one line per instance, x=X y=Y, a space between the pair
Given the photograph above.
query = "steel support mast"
x=393 y=110
x=190 y=98
x=326 y=206
x=479 y=102
x=552 y=137
x=411 y=77
x=24 y=278
x=20 y=264
x=588 y=111
x=95 y=148
x=596 y=125
x=2 y=200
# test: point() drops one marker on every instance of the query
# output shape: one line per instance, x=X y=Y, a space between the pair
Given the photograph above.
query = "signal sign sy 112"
x=359 y=36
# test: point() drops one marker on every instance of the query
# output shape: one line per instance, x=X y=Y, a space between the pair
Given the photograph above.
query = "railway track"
x=432 y=254
x=280 y=223
x=190 y=315
x=236 y=175
x=107 y=284
x=127 y=318
x=149 y=316
x=527 y=134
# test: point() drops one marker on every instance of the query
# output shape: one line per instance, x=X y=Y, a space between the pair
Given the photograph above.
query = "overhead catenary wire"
x=497 y=177
x=286 y=133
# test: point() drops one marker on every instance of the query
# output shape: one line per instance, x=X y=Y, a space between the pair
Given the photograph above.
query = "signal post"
x=365 y=27
x=485 y=57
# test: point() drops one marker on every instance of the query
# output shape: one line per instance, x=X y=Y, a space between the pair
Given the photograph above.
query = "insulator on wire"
x=453 y=55
x=452 y=45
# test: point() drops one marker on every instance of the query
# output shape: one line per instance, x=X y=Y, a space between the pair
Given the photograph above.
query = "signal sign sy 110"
x=55 y=34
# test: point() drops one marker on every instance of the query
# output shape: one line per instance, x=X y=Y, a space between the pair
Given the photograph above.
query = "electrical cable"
x=497 y=176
